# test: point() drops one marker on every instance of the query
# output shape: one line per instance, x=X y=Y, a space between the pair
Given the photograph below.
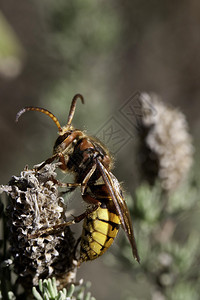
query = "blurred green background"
x=51 y=50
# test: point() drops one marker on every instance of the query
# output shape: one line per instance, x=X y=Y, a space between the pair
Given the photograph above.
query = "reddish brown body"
x=78 y=155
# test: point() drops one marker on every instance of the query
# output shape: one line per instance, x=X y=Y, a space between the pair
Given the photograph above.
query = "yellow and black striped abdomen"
x=99 y=230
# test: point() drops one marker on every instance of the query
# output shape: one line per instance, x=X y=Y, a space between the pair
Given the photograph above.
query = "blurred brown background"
x=51 y=50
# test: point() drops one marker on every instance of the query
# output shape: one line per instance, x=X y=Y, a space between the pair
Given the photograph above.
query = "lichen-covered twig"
x=35 y=204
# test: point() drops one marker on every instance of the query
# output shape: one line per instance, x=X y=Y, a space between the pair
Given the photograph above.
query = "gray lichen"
x=35 y=204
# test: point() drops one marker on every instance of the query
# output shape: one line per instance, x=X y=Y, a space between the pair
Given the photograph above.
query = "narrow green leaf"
x=36 y=294
x=52 y=291
x=64 y=292
x=41 y=285
x=88 y=296
x=46 y=296
x=70 y=291
x=60 y=296
x=11 y=296
x=54 y=285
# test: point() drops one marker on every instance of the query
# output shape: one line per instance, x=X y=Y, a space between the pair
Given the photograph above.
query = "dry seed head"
x=35 y=204
x=166 y=144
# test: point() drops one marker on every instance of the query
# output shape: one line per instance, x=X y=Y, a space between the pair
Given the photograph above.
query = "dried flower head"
x=35 y=205
x=166 y=145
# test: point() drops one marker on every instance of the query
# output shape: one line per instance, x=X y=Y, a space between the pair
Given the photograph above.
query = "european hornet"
x=91 y=163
